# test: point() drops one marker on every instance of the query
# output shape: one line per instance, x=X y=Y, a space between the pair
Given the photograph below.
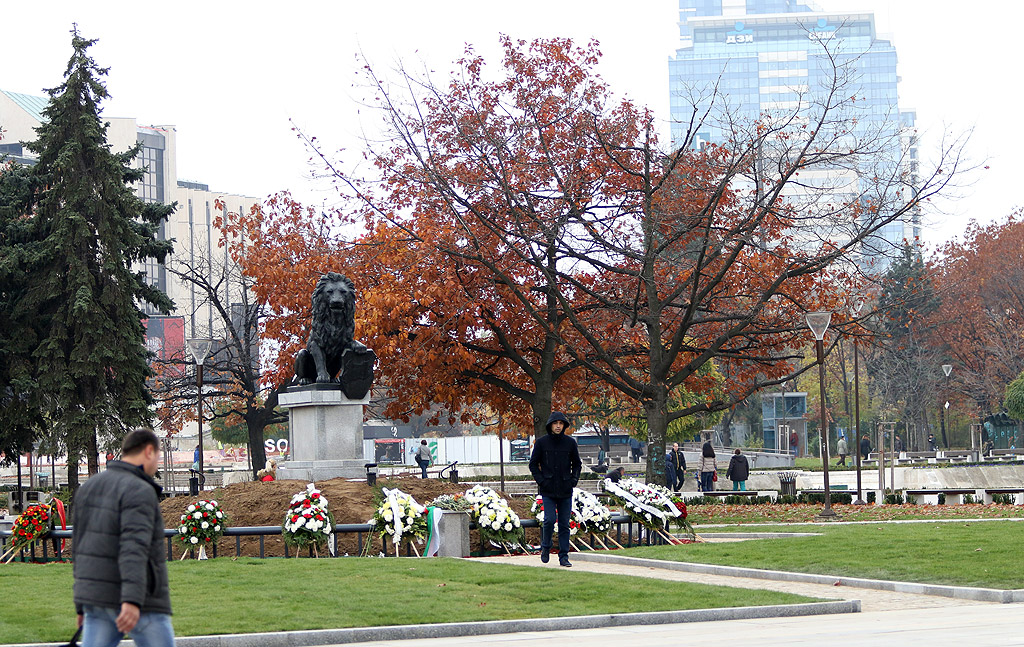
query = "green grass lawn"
x=251 y=595
x=969 y=554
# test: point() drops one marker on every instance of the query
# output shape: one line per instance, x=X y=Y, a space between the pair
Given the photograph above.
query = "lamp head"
x=947 y=369
x=199 y=348
x=818 y=323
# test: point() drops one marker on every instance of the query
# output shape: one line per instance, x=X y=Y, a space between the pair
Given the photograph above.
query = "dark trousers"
x=423 y=467
x=707 y=483
x=560 y=508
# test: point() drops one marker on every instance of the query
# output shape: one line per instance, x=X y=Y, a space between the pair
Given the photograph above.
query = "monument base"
x=322 y=470
x=325 y=434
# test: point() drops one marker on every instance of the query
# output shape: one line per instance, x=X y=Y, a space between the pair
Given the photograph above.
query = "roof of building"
x=33 y=105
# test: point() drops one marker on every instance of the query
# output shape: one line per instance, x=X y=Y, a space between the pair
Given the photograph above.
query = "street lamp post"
x=855 y=308
x=818 y=323
x=200 y=348
x=946 y=369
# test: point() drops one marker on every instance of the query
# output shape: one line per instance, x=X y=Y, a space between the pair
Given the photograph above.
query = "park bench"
x=724 y=493
x=956 y=456
x=917 y=457
x=1001 y=455
x=1017 y=492
x=953 y=495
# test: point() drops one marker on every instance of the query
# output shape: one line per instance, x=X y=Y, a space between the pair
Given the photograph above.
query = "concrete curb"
x=456 y=629
x=958 y=592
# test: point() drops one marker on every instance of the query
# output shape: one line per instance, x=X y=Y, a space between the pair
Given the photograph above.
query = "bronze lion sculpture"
x=332 y=355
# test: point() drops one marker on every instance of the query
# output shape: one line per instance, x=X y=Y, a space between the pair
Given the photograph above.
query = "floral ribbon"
x=396 y=512
x=623 y=493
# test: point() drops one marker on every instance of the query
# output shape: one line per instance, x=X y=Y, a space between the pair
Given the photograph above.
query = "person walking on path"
x=423 y=458
x=708 y=468
x=738 y=471
x=865 y=447
x=842 y=449
x=555 y=465
x=670 y=472
x=931 y=443
x=679 y=463
x=119 y=552
x=634 y=448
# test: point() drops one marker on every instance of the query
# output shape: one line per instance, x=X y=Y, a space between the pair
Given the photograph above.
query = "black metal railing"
x=627 y=533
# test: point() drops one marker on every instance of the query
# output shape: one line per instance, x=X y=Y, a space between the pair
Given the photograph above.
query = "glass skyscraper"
x=756 y=57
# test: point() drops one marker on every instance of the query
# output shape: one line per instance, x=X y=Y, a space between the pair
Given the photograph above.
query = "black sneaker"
x=545 y=554
x=564 y=562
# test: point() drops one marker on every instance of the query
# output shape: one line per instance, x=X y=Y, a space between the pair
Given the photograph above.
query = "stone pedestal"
x=454 y=530
x=325 y=434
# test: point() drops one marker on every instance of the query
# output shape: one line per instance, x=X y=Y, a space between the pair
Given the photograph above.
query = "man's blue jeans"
x=99 y=629
x=562 y=507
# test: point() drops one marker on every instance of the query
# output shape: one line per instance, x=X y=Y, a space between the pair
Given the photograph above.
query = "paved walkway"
x=871 y=600
x=887 y=619
x=983 y=625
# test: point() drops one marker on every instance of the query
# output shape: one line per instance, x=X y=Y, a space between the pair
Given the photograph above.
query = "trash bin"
x=193 y=486
x=787 y=484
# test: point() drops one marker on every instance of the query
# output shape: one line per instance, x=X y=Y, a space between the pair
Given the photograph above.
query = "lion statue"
x=332 y=355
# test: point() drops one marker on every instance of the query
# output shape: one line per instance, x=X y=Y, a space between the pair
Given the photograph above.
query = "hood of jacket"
x=558 y=415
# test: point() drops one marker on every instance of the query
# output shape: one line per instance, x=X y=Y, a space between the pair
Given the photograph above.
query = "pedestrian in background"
x=679 y=462
x=842 y=449
x=423 y=458
x=556 y=465
x=738 y=471
x=634 y=449
x=865 y=447
x=670 y=472
x=119 y=552
x=708 y=468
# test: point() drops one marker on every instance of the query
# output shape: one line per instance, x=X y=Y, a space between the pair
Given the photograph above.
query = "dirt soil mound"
x=264 y=504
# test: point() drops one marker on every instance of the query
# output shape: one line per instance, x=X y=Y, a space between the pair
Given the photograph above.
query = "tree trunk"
x=92 y=453
x=657 y=424
x=726 y=424
x=257 y=450
x=541 y=405
x=72 y=464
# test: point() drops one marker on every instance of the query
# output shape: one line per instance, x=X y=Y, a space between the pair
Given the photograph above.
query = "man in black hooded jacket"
x=555 y=465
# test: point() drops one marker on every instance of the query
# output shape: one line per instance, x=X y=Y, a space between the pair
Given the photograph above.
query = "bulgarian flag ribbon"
x=433 y=534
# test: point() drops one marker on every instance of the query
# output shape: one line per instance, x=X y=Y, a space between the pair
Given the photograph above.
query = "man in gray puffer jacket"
x=119 y=550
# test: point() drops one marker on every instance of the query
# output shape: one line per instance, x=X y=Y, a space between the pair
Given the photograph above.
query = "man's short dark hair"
x=136 y=441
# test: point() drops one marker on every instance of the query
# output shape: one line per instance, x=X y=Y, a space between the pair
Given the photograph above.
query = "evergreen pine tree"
x=90 y=227
x=19 y=413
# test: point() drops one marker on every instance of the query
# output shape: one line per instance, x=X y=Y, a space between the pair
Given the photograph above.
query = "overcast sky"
x=230 y=75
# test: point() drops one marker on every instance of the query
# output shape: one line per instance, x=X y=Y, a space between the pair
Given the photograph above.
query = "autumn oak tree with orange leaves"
x=980 y=322
x=529 y=240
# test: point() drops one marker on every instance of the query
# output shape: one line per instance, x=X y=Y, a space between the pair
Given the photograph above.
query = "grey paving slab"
x=871 y=600
x=949 y=626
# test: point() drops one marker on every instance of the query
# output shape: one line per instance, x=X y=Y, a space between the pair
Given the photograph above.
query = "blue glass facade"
x=765 y=56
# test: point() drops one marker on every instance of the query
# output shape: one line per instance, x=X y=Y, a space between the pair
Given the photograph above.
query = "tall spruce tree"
x=19 y=415
x=89 y=229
